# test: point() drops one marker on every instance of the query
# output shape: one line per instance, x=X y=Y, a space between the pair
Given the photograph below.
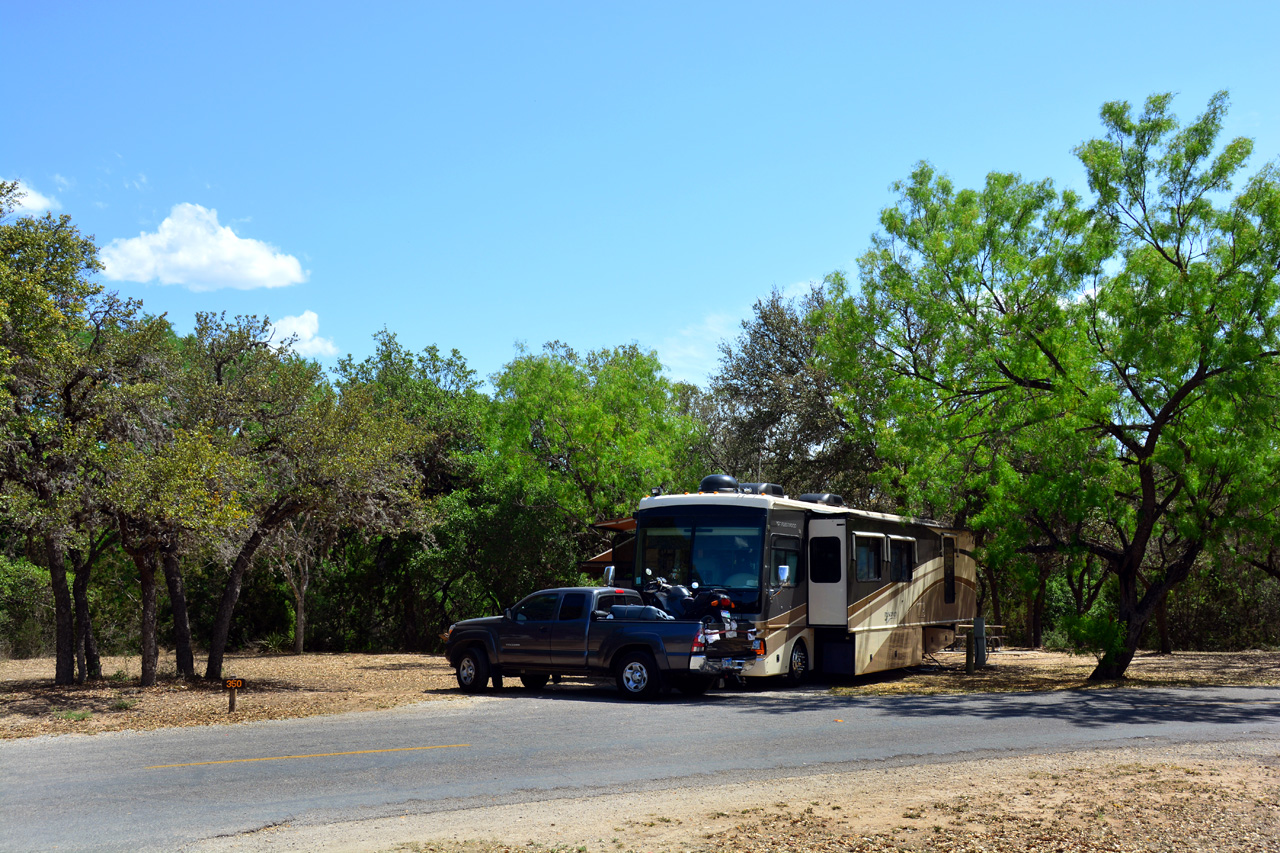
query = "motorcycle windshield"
x=704 y=551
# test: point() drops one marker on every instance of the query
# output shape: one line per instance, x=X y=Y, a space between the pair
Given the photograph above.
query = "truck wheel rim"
x=467 y=670
x=635 y=676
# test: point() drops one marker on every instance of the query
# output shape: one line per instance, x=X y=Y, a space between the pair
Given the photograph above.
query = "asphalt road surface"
x=161 y=790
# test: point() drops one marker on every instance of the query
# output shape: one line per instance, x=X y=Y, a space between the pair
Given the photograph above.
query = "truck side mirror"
x=608 y=576
x=506 y=614
x=784 y=574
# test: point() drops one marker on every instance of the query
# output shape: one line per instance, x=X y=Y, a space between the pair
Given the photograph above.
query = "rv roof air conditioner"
x=825 y=498
x=772 y=489
x=719 y=483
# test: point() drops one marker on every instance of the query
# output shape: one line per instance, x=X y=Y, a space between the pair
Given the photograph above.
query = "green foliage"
x=1073 y=377
x=26 y=609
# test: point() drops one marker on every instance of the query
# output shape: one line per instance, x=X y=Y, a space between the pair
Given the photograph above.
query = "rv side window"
x=785 y=552
x=870 y=557
x=824 y=559
x=902 y=558
x=949 y=570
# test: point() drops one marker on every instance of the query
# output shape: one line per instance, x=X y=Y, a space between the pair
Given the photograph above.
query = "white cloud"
x=33 y=203
x=307 y=329
x=693 y=353
x=190 y=248
x=64 y=184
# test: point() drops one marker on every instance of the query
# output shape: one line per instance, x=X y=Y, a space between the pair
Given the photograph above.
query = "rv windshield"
x=702 y=551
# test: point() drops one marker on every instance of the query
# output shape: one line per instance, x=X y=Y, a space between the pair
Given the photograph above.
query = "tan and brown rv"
x=829 y=588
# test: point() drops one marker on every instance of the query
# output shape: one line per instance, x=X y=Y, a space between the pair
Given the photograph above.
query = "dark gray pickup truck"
x=599 y=632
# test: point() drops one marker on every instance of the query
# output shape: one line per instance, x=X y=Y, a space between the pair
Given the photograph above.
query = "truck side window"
x=537 y=608
x=572 y=606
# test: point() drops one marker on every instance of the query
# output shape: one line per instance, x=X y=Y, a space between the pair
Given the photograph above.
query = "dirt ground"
x=1206 y=797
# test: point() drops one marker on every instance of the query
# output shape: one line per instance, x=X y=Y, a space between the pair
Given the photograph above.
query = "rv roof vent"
x=718 y=483
x=823 y=498
x=764 y=489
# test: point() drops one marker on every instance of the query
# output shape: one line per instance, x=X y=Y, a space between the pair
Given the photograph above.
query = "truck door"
x=568 y=645
x=827 y=568
x=526 y=636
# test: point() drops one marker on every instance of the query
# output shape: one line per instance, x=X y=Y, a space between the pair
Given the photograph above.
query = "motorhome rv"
x=829 y=588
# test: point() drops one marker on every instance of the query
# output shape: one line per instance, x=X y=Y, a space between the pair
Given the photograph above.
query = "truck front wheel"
x=473 y=670
x=638 y=676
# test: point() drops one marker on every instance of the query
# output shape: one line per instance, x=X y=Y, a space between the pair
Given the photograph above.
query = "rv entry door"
x=828 y=604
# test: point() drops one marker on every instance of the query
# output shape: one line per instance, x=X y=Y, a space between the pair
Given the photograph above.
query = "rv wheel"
x=536 y=681
x=473 y=670
x=799 y=666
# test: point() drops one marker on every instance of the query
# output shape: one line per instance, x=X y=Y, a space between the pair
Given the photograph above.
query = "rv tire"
x=798 y=668
x=534 y=681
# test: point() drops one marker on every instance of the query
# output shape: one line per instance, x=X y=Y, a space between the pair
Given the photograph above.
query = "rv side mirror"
x=784 y=574
x=608 y=576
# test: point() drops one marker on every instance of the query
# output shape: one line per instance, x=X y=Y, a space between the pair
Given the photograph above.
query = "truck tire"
x=638 y=676
x=473 y=670
x=798 y=668
x=534 y=681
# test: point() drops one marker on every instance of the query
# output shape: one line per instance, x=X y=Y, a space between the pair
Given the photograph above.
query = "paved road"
x=160 y=790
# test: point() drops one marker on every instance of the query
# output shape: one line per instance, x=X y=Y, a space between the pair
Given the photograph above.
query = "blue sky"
x=473 y=175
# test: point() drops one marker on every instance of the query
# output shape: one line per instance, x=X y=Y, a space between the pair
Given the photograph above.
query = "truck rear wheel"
x=638 y=676
x=473 y=670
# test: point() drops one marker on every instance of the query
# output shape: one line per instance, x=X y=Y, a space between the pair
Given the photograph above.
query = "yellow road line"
x=316 y=755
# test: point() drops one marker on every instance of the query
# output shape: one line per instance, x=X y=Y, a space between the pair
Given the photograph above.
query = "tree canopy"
x=1083 y=376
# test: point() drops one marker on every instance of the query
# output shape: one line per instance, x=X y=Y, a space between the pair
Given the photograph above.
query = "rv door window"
x=824 y=559
x=870 y=557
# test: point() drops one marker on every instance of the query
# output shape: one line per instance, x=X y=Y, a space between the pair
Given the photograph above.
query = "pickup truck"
x=597 y=632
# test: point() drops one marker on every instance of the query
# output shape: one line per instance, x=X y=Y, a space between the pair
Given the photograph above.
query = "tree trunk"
x=65 y=667
x=1162 y=625
x=146 y=563
x=299 y=616
x=181 y=622
x=996 y=615
x=222 y=622
x=1037 y=604
x=88 y=664
x=1135 y=612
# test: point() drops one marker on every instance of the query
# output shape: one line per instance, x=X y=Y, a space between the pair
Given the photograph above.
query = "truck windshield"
x=703 y=552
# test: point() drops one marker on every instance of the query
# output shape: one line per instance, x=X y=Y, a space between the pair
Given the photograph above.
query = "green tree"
x=75 y=364
x=774 y=415
x=1084 y=378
